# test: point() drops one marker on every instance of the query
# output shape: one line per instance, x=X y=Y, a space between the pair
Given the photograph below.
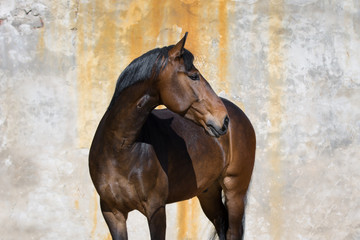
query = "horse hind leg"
x=214 y=209
x=235 y=185
x=235 y=199
x=116 y=222
x=236 y=216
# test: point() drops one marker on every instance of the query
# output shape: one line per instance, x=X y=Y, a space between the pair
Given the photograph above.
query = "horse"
x=142 y=158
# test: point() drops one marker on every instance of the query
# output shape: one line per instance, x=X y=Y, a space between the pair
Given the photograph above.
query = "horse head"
x=183 y=90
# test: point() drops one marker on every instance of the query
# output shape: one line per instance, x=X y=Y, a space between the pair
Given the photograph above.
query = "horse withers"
x=142 y=158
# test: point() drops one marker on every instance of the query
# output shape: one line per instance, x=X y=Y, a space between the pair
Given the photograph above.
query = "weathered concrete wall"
x=292 y=65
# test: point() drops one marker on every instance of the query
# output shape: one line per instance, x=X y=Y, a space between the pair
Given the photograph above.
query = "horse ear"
x=178 y=49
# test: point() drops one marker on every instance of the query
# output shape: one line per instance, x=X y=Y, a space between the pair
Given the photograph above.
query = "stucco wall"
x=292 y=65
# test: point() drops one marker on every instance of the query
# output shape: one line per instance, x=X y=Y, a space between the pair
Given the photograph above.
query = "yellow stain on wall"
x=182 y=216
x=223 y=45
x=97 y=59
x=276 y=78
x=188 y=219
x=195 y=211
x=41 y=43
x=76 y=203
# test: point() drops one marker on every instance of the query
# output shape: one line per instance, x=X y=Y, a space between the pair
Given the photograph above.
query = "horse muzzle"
x=215 y=130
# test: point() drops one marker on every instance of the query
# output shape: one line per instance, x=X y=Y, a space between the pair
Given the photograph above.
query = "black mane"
x=145 y=66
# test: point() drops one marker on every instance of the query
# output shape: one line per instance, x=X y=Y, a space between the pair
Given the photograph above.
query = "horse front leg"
x=116 y=222
x=157 y=223
x=214 y=209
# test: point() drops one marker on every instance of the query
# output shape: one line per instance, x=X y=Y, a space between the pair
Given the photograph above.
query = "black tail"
x=224 y=225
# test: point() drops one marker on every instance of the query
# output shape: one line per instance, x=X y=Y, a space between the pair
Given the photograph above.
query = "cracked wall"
x=292 y=65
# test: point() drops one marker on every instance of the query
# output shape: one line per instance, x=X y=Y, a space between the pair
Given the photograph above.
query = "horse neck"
x=126 y=117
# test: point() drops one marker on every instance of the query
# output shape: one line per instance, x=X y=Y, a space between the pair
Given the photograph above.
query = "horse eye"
x=194 y=77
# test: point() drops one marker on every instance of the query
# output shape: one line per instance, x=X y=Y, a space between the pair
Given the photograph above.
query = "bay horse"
x=142 y=158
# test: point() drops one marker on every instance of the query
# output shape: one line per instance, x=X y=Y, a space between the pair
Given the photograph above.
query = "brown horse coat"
x=143 y=158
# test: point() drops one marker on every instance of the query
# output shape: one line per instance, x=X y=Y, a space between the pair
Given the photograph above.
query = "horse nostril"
x=226 y=124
